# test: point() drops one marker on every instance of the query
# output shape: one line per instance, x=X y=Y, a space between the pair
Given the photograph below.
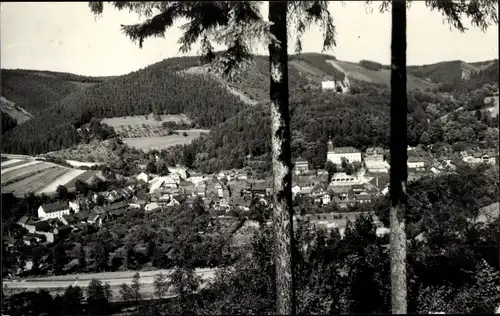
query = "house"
x=138 y=204
x=326 y=199
x=82 y=216
x=343 y=179
x=153 y=206
x=53 y=210
x=241 y=203
x=363 y=198
x=301 y=166
x=351 y=154
x=241 y=175
x=119 y=206
x=143 y=177
x=487 y=156
x=196 y=178
x=69 y=219
x=295 y=189
x=258 y=189
x=23 y=220
x=416 y=162
x=374 y=160
x=201 y=190
x=224 y=203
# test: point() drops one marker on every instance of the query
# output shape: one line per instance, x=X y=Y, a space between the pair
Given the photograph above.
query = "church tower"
x=330 y=153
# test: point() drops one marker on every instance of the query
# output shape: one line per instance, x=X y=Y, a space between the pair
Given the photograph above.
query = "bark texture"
x=399 y=172
x=281 y=160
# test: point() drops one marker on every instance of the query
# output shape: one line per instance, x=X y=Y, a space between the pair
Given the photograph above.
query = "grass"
x=162 y=142
x=36 y=182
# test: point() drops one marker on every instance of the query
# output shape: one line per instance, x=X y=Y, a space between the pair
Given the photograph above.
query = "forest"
x=358 y=119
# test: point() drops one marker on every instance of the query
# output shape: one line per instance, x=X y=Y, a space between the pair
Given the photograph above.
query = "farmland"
x=162 y=142
x=85 y=177
x=25 y=176
x=143 y=125
x=26 y=171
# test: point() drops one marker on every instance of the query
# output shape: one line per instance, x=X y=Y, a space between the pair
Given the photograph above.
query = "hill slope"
x=172 y=86
x=448 y=71
x=154 y=89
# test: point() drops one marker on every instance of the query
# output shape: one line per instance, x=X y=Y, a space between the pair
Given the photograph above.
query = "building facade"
x=335 y=155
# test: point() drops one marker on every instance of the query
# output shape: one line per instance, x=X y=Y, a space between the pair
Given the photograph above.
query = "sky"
x=67 y=37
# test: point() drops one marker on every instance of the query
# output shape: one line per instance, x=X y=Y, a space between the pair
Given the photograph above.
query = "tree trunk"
x=399 y=172
x=281 y=160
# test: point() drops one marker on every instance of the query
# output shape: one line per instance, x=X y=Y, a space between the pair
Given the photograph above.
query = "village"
x=352 y=178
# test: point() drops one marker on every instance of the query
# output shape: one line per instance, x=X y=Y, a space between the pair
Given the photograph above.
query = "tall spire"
x=330 y=144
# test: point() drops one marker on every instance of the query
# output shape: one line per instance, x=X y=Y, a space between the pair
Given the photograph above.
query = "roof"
x=119 y=205
x=363 y=197
x=23 y=220
x=69 y=218
x=345 y=150
x=301 y=160
x=54 y=207
x=43 y=226
x=259 y=186
x=373 y=150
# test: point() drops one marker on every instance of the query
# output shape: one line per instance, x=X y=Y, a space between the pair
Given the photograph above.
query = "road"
x=60 y=283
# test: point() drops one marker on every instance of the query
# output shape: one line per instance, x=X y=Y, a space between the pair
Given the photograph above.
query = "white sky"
x=66 y=37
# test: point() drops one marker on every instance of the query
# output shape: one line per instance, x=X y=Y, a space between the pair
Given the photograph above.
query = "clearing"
x=162 y=142
x=138 y=120
x=62 y=180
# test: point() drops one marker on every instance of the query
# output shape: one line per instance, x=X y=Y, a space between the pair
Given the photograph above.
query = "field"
x=62 y=180
x=26 y=171
x=138 y=120
x=162 y=142
x=10 y=163
x=355 y=71
x=19 y=165
x=25 y=176
x=83 y=176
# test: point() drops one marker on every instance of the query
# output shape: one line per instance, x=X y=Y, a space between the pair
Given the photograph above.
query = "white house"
x=416 y=163
x=374 y=160
x=53 y=210
x=325 y=199
x=74 y=206
x=143 y=177
x=351 y=154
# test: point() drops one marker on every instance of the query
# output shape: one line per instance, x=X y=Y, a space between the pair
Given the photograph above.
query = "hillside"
x=155 y=88
x=36 y=91
x=448 y=71
x=173 y=86
x=12 y=115
x=359 y=119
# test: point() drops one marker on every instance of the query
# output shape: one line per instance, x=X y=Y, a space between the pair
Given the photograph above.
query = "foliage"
x=97 y=301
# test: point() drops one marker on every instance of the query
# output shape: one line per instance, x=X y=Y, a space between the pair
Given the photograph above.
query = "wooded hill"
x=61 y=102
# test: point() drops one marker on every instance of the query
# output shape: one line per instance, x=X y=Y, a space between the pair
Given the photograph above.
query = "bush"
x=184 y=134
x=371 y=65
